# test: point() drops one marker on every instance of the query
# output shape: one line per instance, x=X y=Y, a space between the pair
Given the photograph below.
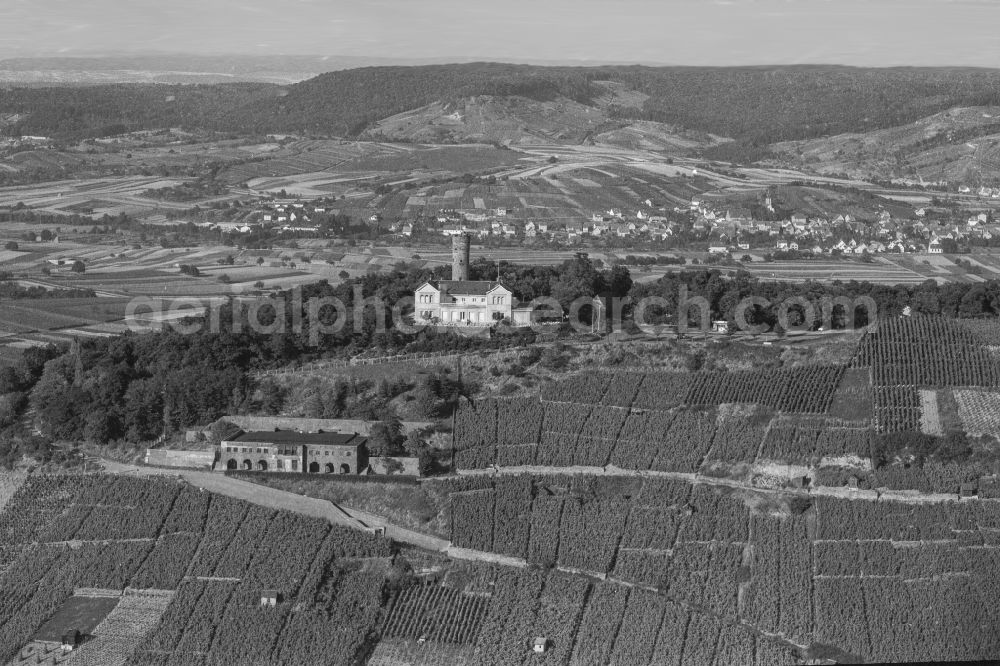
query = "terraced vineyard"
x=435 y=613
x=135 y=533
x=870 y=580
x=656 y=421
x=908 y=353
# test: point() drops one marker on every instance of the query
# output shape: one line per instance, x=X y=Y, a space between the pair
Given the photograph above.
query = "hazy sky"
x=696 y=32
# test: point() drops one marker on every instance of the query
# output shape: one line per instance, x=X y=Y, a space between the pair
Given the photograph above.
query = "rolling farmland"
x=881 y=271
x=118 y=277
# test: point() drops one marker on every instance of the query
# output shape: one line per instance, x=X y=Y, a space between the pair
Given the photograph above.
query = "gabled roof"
x=467 y=287
x=292 y=437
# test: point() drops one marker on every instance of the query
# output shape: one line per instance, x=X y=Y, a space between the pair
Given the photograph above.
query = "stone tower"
x=460 y=245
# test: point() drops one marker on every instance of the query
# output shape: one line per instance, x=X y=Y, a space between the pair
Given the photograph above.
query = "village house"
x=659 y=232
x=574 y=230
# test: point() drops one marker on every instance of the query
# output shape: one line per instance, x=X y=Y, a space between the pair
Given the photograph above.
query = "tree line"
x=137 y=387
x=723 y=293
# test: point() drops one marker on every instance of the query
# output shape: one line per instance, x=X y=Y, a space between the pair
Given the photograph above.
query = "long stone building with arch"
x=291 y=451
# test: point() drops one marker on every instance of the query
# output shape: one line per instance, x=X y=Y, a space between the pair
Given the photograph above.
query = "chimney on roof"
x=460 y=246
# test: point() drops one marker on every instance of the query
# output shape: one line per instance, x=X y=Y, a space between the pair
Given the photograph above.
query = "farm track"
x=316 y=508
x=904 y=496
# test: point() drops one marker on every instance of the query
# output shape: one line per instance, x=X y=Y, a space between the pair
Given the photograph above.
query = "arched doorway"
x=345 y=469
x=313 y=467
x=232 y=464
x=247 y=464
x=329 y=468
x=262 y=465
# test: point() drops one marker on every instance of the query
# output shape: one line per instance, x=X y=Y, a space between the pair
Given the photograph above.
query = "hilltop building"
x=464 y=302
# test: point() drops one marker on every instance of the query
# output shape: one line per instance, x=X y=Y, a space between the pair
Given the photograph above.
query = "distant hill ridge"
x=758 y=105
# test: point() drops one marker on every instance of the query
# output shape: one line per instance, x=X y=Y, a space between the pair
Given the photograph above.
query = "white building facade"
x=463 y=303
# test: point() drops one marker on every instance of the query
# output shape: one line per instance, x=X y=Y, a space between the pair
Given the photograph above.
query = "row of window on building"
x=279 y=452
x=496 y=300
x=250 y=449
x=462 y=316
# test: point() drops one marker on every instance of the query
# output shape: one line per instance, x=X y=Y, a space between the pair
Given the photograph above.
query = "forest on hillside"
x=759 y=105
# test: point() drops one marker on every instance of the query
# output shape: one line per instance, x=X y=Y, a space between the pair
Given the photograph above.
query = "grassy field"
x=81 y=613
x=309 y=156
x=852 y=400
x=408 y=505
x=881 y=271
x=53 y=313
x=9 y=355
x=29 y=322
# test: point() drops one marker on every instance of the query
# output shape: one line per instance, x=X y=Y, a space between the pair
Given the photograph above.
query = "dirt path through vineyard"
x=280 y=499
x=905 y=496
